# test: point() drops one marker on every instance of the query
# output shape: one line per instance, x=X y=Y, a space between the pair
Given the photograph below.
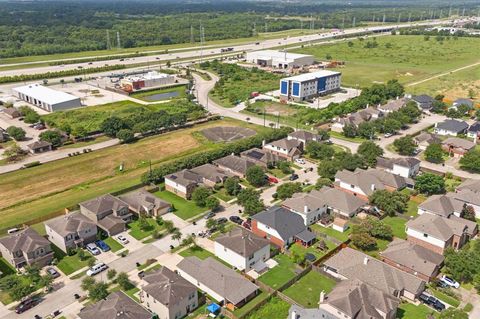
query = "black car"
x=26 y=304
x=222 y=220
x=236 y=220
x=293 y=177
x=423 y=298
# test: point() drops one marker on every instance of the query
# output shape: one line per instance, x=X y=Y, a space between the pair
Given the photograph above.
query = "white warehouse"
x=46 y=98
x=279 y=59
x=309 y=85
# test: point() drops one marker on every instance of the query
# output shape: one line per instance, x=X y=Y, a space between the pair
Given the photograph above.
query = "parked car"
x=423 y=298
x=387 y=135
x=92 y=249
x=272 y=179
x=247 y=225
x=300 y=161
x=236 y=220
x=141 y=274
x=27 y=304
x=221 y=220
x=102 y=245
x=209 y=215
x=122 y=239
x=293 y=177
x=96 y=269
x=435 y=303
x=450 y=282
x=52 y=272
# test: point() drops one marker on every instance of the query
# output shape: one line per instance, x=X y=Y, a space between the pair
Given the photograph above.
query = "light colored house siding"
x=351 y=188
x=310 y=217
x=272 y=232
x=201 y=286
x=428 y=239
x=240 y=262
x=278 y=150
x=172 y=311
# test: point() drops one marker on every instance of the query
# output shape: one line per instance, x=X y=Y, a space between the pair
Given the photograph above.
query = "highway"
x=197 y=52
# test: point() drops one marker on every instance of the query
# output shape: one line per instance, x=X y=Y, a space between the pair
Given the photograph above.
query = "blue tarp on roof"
x=213 y=308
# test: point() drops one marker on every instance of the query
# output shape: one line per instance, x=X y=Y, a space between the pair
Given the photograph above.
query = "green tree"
x=350 y=130
x=143 y=223
x=112 y=125
x=430 y=184
x=232 y=186
x=125 y=135
x=391 y=126
x=211 y=223
x=405 y=145
x=212 y=203
x=30 y=116
x=17 y=133
x=320 y=150
x=323 y=134
x=169 y=226
x=256 y=176
x=90 y=262
x=250 y=200
x=200 y=195
x=284 y=166
x=287 y=190
x=366 y=130
x=370 y=151
x=329 y=169
x=177 y=235
x=390 y=202
x=321 y=182
x=46 y=282
x=453 y=313
x=87 y=283
x=51 y=136
x=434 y=153
x=82 y=255
x=98 y=291
x=21 y=290
x=363 y=241
x=123 y=281
x=79 y=132
x=111 y=273
x=468 y=212
x=471 y=161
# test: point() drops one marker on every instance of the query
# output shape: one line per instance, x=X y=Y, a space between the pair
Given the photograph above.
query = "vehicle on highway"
x=209 y=215
x=450 y=282
x=236 y=220
x=27 y=304
x=272 y=179
x=92 y=249
x=102 y=245
x=52 y=272
x=300 y=161
x=122 y=239
x=293 y=177
x=96 y=269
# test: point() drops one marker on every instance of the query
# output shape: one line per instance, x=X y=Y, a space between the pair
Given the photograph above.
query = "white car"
x=300 y=161
x=450 y=282
x=122 y=239
x=97 y=268
x=92 y=249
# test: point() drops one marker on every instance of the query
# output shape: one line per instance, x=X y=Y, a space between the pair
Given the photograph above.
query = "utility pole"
x=266 y=27
x=353 y=22
x=409 y=17
x=118 y=40
x=383 y=21
x=463 y=12
x=399 y=17
x=108 y=41
x=192 y=38
x=202 y=42
x=450 y=12
x=254 y=31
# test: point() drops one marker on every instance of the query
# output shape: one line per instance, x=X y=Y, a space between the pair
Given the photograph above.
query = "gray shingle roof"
x=394 y=105
x=354 y=264
x=471 y=184
x=26 y=240
x=439 y=227
x=70 y=223
x=287 y=144
x=459 y=143
x=305 y=135
x=372 y=179
x=103 y=204
x=452 y=125
x=313 y=313
x=167 y=287
x=39 y=144
x=224 y=281
x=257 y=154
x=235 y=163
x=242 y=241
x=282 y=220
x=408 y=162
x=427 y=137
x=466 y=102
x=116 y=306
x=442 y=205
x=142 y=198
x=415 y=257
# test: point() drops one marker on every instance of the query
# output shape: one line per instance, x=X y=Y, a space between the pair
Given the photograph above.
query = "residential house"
x=260 y=157
x=285 y=148
x=457 y=146
x=184 y=182
x=281 y=227
x=363 y=183
x=12 y=112
x=466 y=102
x=116 y=306
x=304 y=137
x=235 y=165
x=351 y=264
x=474 y=131
x=142 y=202
x=109 y=212
x=357 y=118
x=414 y=259
x=441 y=205
x=26 y=247
x=404 y=166
x=393 y=105
x=39 y=147
x=167 y=294
x=3 y=136
x=439 y=233
x=469 y=193
x=243 y=249
x=350 y=299
x=217 y=280
x=451 y=127
x=424 y=102
x=71 y=231
x=424 y=139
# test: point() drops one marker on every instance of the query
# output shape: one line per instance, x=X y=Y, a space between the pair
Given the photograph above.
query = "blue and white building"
x=309 y=85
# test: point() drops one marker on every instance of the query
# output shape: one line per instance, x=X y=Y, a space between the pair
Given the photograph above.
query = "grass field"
x=114 y=245
x=280 y=274
x=140 y=234
x=183 y=208
x=411 y=311
x=406 y=58
x=252 y=303
x=51 y=187
x=275 y=308
x=331 y=232
x=306 y=291
x=69 y=264
x=398 y=226
x=147 y=95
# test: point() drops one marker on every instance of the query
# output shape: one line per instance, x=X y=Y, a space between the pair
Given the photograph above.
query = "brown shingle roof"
x=442 y=205
x=242 y=241
x=141 y=198
x=116 y=306
x=439 y=227
x=39 y=144
x=459 y=143
x=105 y=203
x=167 y=287
x=235 y=163
x=26 y=240
x=70 y=223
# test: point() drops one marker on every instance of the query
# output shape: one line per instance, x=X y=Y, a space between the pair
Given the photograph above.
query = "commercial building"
x=46 y=98
x=309 y=85
x=279 y=59
x=146 y=80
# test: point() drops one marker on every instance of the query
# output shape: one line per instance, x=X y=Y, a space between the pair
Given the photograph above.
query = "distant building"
x=12 y=112
x=309 y=85
x=40 y=147
x=457 y=146
x=278 y=59
x=424 y=102
x=356 y=118
x=451 y=127
x=46 y=98
x=393 y=105
x=147 y=80
x=466 y=102
x=474 y=131
x=304 y=137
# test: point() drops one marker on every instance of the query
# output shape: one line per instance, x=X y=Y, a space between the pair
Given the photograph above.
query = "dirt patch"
x=275 y=109
x=462 y=91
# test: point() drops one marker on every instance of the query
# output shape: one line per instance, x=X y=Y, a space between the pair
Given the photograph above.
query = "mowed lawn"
x=398 y=226
x=183 y=208
x=280 y=274
x=275 y=308
x=406 y=58
x=53 y=186
x=411 y=311
x=306 y=291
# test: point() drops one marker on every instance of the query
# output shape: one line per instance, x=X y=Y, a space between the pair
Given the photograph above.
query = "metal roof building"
x=279 y=59
x=46 y=98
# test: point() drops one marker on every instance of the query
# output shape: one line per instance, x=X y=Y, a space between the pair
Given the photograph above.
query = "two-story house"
x=285 y=148
x=235 y=165
x=243 y=249
x=26 y=247
x=451 y=127
x=407 y=167
x=71 y=231
x=304 y=137
x=117 y=305
x=143 y=202
x=167 y=294
x=109 y=212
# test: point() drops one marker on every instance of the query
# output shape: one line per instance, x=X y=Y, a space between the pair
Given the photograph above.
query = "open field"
x=406 y=58
x=53 y=186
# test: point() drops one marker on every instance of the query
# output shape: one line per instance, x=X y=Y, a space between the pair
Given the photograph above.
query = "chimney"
x=322 y=297
x=305 y=209
x=233 y=154
x=294 y=315
x=365 y=260
x=372 y=187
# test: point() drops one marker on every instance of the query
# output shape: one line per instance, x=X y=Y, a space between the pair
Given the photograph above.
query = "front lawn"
x=280 y=274
x=183 y=208
x=222 y=195
x=446 y=298
x=398 y=226
x=138 y=233
x=277 y=173
x=276 y=308
x=306 y=291
x=329 y=231
x=6 y=268
x=411 y=311
x=70 y=264
x=196 y=251
x=114 y=245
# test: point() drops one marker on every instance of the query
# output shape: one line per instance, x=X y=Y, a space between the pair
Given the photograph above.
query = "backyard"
x=183 y=208
x=275 y=308
x=306 y=291
x=329 y=231
x=406 y=58
x=398 y=226
x=280 y=274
